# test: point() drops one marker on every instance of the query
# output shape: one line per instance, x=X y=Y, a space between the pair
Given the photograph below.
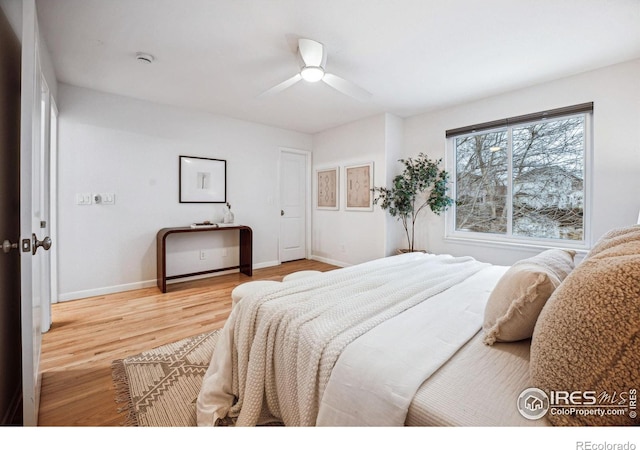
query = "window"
x=522 y=179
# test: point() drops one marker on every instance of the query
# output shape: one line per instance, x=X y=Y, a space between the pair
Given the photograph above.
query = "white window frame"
x=508 y=239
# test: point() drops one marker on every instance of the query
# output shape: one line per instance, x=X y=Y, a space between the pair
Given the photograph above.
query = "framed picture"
x=358 y=185
x=203 y=180
x=327 y=182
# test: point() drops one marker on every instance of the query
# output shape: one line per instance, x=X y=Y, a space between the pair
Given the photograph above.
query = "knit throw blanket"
x=278 y=347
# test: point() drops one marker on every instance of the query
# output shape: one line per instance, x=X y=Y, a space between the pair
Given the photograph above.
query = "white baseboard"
x=149 y=283
x=333 y=262
x=106 y=290
x=264 y=265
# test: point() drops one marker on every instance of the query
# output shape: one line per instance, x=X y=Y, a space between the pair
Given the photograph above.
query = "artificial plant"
x=421 y=184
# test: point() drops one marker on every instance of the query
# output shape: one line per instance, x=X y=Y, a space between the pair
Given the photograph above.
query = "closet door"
x=293 y=204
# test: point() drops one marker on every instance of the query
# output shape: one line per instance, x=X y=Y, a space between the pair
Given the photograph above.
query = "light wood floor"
x=87 y=334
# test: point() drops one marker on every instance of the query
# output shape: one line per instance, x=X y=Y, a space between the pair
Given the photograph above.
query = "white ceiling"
x=414 y=56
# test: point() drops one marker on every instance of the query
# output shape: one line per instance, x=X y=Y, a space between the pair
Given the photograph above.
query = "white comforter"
x=277 y=351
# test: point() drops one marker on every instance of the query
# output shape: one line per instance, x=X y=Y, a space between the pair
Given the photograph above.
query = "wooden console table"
x=246 y=252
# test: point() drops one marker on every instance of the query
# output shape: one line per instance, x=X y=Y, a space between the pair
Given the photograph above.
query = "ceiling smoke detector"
x=145 y=58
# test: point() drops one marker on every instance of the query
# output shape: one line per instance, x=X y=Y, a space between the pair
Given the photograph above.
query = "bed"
x=418 y=340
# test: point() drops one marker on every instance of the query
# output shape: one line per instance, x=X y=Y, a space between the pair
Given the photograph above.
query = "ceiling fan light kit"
x=313 y=59
x=312 y=74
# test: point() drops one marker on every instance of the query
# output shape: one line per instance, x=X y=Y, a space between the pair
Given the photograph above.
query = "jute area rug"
x=159 y=387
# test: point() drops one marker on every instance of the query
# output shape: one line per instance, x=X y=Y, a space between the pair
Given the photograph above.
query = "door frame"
x=307 y=198
x=53 y=195
x=45 y=192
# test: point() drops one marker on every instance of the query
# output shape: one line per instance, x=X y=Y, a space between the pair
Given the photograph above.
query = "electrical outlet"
x=203 y=255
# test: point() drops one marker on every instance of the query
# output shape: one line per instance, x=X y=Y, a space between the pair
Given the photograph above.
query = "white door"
x=293 y=205
x=34 y=197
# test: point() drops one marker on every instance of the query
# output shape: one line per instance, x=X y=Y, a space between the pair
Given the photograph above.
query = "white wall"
x=113 y=144
x=13 y=11
x=394 y=149
x=350 y=237
x=615 y=92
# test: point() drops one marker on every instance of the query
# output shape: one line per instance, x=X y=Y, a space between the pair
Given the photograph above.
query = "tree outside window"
x=523 y=181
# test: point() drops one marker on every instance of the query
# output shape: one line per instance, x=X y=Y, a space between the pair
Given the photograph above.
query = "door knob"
x=45 y=243
x=282 y=212
x=7 y=246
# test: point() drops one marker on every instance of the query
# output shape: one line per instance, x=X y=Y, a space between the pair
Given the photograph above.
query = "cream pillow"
x=516 y=301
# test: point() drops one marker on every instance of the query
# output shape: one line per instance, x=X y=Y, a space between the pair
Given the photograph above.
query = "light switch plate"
x=83 y=199
x=108 y=198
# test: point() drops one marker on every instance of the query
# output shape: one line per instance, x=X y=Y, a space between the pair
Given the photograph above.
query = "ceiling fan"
x=313 y=58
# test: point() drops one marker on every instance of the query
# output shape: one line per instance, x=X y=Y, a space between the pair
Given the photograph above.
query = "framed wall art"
x=358 y=185
x=203 y=180
x=327 y=188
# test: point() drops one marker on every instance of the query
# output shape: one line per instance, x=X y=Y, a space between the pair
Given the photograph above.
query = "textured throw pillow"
x=587 y=337
x=612 y=238
x=515 y=303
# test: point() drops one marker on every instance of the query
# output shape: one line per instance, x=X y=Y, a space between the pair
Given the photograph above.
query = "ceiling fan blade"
x=346 y=87
x=282 y=86
x=312 y=52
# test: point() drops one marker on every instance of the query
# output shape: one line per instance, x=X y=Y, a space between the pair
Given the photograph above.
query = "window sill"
x=580 y=249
